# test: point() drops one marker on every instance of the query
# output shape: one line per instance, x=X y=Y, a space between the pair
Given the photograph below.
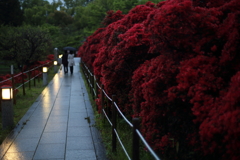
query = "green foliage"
x=74 y=3
x=24 y=45
x=69 y=22
x=10 y=13
x=145 y=1
x=35 y=15
x=51 y=29
x=35 y=12
x=123 y=5
x=55 y=34
x=59 y=18
x=89 y=17
x=31 y=3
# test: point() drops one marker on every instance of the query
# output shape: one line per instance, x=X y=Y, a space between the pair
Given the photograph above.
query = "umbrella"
x=69 y=48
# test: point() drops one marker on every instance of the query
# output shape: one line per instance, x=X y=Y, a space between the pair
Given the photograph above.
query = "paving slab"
x=56 y=126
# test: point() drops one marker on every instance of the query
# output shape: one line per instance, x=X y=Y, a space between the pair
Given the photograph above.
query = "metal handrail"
x=19 y=74
x=126 y=120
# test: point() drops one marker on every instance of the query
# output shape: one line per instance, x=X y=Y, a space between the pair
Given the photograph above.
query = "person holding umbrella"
x=65 y=61
x=70 y=58
x=71 y=62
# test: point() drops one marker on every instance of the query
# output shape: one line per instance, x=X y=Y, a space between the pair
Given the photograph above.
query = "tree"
x=74 y=3
x=60 y=18
x=35 y=16
x=54 y=5
x=24 y=45
x=36 y=12
x=89 y=17
x=124 y=5
x=31 y=3
x=10 y=13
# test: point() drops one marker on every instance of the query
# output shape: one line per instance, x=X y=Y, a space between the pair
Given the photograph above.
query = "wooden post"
x=90 y=84
x=93 y=88
x=29 y=80
x=82 y=67
x=96 y=90
x=39 y=69
x=13 y=85
x=102 y=99
x=135 y=142
x=34 y=79
x=88 y=78
x=84 y=70
x=114 y=125
x=24 y=93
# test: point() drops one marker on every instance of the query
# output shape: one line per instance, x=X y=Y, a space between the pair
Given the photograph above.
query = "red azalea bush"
x=4 y=80
x=91 y=47
x=175 y=65
x=50 y=57
x=120 y=55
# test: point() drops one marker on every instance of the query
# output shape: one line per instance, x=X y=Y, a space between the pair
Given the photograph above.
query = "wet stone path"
x=58 y=126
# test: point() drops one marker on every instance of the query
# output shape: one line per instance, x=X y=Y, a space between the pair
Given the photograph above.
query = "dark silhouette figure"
x=65 y=62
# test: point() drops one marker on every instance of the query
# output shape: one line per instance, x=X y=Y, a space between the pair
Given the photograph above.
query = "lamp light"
x=7 y=92
x=45 y=69
x=55 y=63
x=45 y=76
x=60 y=56
x=7 y=106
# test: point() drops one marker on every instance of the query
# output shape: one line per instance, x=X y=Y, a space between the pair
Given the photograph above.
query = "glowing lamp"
x=45 y=69
x=7 y=93
x=60 y=56
x=55 y=63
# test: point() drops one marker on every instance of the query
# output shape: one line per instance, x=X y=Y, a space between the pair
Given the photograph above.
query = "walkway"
x=58 y=126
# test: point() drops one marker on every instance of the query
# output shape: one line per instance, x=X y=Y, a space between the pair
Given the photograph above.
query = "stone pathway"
x=58 y=126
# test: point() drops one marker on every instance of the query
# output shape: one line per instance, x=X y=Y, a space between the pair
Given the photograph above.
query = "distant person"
x=65 y=61
x=71 y=62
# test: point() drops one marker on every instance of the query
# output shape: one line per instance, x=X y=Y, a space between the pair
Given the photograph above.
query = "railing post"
x=13 y=89
x=93 y=88
x=89 y=78
x=34 y=79
x=83 y=69
x=88 y=74
x=90 y=84
x=39 y=69
x=29 y=80
x=102 y=99
x=135 y=142
x=82 y=66
x=13 y=85
x=114 y=125
x=96 y=89
x=24 y=93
